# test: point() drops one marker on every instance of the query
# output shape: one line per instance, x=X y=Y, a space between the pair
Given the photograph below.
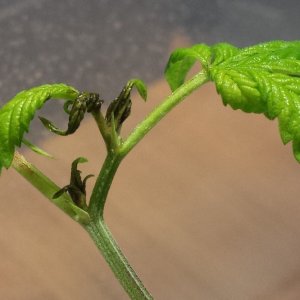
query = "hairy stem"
x=160 y=111
x=102 y=185
x=102 y=128
x=48 y=188
x=116 y=260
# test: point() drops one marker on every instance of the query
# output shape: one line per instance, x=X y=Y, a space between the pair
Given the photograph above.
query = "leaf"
x=85 y=102
x=262 y=79
x=120 y=108
x=36 y=149
x=182 y=60
x=16 y=115
x=76 y=188
x=141 y=87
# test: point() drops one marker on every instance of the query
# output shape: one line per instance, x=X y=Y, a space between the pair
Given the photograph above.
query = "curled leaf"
x=16 y=115
x=77 y=186
x=85 y=102
x=182 y=60
x=140 y=86
x=120 y=108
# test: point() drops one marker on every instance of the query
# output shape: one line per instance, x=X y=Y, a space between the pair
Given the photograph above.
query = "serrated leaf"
x=221 y=52
x=264 y=78
x=16 y=115
x=181 y=61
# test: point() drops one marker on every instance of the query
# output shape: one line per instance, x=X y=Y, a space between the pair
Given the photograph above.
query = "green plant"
x=264 y=78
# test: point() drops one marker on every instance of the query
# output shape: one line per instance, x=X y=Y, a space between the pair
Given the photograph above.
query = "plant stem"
x=102 y=128
x=48 y=188
x=102 y=185
x=116 y=154
x=97 y=228
x=118 y=263
x=160 y=111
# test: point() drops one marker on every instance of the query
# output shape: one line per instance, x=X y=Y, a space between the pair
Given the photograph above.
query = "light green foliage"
x=17 y=114
x=264 y=78
x=140 y=86
x=181 y=61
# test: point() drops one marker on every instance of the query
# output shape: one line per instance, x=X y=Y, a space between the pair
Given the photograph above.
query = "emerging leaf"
x=140 y=86
x=85 y=102
x=120 y=108
x=16 y=115
x=76 y=188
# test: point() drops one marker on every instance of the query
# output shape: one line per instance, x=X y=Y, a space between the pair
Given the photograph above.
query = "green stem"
x=101 y=123
x=116 y=260
x=102 y=185
x=97 y=228
x=160 y=111
x=116 y=154
x=48 y=188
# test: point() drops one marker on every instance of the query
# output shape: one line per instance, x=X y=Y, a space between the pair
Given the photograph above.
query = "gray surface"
x=98 y=45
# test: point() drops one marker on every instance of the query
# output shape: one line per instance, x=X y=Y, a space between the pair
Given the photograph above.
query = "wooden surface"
x=206 y=207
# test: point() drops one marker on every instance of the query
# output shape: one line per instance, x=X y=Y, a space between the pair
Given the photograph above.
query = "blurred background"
x=206 y=207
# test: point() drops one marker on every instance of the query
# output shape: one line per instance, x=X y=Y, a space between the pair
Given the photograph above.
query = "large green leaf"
x=16 y=115
x=264 y=78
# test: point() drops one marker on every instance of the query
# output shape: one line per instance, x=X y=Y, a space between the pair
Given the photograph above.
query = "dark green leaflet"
x=85 y=102
x=120 y=108
x=77 y=186
x=264 y=78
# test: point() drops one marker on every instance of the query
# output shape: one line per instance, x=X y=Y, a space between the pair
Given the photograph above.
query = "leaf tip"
x=141 y=87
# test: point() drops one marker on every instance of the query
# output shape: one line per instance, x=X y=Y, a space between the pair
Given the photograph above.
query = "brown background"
x=206 y=207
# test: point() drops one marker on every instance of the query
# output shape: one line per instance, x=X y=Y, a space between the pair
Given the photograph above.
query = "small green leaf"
x=36 y=149
x=16 y=115
x=120 y=108
x=182 y=60
x=141 y=87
